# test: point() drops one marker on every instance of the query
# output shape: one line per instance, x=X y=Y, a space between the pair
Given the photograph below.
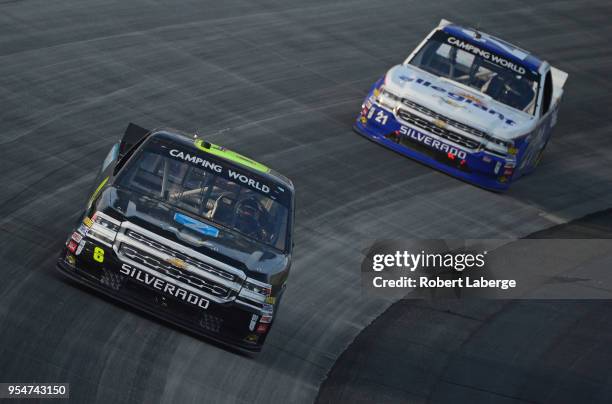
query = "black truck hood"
x=257 y=259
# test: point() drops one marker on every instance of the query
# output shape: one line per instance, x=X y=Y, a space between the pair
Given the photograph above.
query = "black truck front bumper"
x=229 y=323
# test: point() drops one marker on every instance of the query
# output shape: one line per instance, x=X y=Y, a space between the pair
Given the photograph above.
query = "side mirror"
x=132 y=136
x=112 y=156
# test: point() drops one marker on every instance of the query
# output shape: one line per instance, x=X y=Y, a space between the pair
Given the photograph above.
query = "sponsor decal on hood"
x=457 y=103
x=196 y=225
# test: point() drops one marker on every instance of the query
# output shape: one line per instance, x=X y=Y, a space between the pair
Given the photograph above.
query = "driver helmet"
x=248 y=216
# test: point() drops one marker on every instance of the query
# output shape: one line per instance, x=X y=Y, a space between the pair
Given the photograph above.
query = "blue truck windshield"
x=503 y=80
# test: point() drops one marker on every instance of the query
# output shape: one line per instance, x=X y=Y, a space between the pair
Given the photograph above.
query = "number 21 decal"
x=381 y=117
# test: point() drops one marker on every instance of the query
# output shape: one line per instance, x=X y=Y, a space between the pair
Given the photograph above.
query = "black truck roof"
x=199 y=145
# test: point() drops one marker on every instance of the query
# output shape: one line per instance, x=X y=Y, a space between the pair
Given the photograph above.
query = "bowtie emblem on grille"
x=179 y=263
x=440 y=123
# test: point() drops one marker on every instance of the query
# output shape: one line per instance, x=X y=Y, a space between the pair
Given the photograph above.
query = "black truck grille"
x=189 y=260
x=436 y=130
x=158 y=265
x=452 y=122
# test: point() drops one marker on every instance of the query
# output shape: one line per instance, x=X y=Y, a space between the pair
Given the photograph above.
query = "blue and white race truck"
x=468 y=104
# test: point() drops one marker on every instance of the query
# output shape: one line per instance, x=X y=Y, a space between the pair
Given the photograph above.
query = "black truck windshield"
x=465 y=63
x=206 y=193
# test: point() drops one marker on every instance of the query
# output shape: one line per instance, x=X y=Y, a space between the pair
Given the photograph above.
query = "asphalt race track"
x=506 y=351
x=280 y=81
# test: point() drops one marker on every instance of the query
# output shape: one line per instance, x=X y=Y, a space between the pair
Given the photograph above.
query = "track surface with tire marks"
x=505 y=351
x=280 y=81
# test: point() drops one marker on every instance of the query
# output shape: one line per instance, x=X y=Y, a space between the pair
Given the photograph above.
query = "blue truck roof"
x=495 y=45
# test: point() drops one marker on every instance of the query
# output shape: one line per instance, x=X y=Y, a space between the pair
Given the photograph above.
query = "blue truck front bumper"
x=482 y=169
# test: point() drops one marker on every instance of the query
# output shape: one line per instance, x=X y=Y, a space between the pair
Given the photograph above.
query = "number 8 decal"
x=98 y=254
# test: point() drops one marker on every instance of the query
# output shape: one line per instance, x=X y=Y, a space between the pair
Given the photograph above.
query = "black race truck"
x=188 y=231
